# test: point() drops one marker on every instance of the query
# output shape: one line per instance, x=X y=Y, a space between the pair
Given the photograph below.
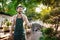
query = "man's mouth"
x=20 y=12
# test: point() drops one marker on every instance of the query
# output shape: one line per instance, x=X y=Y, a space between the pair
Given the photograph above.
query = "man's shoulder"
x=14 y=16
x=23 y=15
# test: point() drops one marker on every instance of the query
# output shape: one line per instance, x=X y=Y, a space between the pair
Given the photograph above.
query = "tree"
x=53 y=3
x=3 y=4
x=53 y=17
x=30 y=6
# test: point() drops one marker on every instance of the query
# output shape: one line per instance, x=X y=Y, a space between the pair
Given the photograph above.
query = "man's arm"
x=13 y=23
x=11 y=28
x=26 y=21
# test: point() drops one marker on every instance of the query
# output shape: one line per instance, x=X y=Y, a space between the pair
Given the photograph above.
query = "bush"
x=48 y=38
x=8 y=23
x=47 y=31
x=48 y=34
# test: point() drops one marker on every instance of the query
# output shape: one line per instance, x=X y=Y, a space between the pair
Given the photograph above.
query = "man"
x=18 y=22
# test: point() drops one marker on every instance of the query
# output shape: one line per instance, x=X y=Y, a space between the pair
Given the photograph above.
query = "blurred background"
x=46 y=13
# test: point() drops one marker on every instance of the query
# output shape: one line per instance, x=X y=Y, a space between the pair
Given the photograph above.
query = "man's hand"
x=30 y=25
x=10 y=34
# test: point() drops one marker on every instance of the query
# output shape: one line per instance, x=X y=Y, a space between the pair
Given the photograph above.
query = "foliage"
x=53 y=18
x=47 y=31
x=53 y=3
x=53 y=14
x=45 y=14
x=48 y=34
x=30 y=6
x=47 y=38
x=8 y=23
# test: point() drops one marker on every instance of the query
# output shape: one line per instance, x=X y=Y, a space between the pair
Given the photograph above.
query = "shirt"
x=25 y=19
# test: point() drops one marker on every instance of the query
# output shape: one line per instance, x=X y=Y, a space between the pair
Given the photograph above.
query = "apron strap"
x=21 y=16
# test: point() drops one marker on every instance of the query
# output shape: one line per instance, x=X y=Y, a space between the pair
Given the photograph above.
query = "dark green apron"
x=19 y=31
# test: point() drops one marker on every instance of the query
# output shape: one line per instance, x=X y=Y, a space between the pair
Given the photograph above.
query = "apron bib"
x=19 y=31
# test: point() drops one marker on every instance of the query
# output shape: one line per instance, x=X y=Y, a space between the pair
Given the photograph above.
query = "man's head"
x=19 y=9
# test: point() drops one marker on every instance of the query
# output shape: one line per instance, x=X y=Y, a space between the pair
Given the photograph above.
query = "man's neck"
x=19 y=12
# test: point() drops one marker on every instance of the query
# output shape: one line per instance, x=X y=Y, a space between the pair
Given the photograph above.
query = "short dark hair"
x=19 y=6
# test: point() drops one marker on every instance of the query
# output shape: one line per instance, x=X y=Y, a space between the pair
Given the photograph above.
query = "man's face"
x=20 y=9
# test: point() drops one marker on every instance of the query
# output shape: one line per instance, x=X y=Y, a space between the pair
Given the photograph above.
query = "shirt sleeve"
x=13 y=20
x=13 y=23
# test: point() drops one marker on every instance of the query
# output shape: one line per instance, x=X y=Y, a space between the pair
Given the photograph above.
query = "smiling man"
x=18 y=21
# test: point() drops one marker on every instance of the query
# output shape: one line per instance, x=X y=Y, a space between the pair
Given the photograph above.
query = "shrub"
x=48 y=34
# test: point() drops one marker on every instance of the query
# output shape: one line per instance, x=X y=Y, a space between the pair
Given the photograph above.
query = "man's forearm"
x=10 y=30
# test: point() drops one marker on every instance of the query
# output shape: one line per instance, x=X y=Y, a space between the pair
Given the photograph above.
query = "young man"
x=18 y=22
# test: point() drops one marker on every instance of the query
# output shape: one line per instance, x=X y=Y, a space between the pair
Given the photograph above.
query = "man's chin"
x=19 y=13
